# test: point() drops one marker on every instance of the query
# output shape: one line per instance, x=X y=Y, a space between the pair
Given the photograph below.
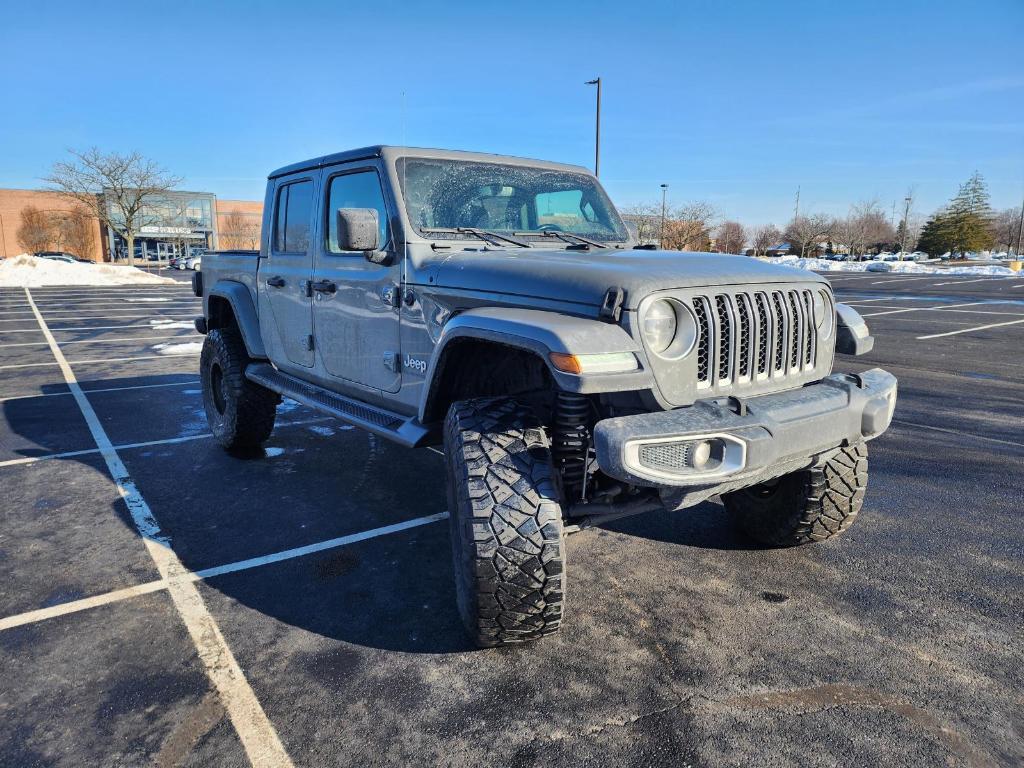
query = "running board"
x=401 y=429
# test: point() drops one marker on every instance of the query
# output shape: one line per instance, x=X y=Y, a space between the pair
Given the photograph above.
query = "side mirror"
x=359 y=230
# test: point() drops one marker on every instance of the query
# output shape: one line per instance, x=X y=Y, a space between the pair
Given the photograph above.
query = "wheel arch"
x=502 y=351
x=230 y=304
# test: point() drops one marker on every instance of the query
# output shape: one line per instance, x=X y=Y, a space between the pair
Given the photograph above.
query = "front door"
x=356 y=319
x=284 y=276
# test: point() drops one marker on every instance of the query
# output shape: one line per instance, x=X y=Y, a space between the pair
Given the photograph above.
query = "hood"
x=583 y=277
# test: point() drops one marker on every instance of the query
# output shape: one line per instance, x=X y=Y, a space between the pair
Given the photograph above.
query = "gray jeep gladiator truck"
x=498 y=307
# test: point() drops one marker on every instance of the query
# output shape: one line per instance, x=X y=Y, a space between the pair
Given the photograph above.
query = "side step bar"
x=401 y=429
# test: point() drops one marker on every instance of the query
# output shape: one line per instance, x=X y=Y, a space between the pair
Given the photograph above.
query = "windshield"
x=452 y=194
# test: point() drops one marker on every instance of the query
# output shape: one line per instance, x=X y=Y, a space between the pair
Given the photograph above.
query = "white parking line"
x=74 y=606
x=177 y=316
x=256 y=732
x=930 y=309
x=964 y=282
x=98 y=341
x=969 y=330
x=168 y=356
x=958 y=433
x=131 y=446
x=902 y=280
x=190 y=382
x=77 y=312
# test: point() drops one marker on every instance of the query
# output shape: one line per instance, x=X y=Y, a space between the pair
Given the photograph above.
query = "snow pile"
x=25 y=271
x=903 y=267
x=188 y=348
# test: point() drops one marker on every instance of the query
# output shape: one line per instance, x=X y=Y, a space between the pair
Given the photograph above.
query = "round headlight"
x=824 y=314
x=659 y=326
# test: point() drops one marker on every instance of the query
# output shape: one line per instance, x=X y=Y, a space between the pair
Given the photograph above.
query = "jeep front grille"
x=754 y=336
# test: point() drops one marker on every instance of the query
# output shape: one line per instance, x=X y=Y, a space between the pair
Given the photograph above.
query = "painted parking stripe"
x=930 y=309
x=178 y=316
x=74 y=606
x=133 y=446
x=897 y=281
x=98 y=341
x=190 y=382
x=256 y=732
x=957 y=433
x=969 y=330
x=168 y=356
x=965 y=282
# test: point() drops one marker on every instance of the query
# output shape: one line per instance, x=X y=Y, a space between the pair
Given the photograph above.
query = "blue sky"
x=736 y=103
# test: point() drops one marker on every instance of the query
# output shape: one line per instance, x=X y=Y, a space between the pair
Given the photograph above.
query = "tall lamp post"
x=906 y=226
x=597 y=129
x=1020 y=231
x=661 y=231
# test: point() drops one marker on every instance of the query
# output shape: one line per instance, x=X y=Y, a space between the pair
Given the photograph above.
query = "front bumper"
x=749 y=437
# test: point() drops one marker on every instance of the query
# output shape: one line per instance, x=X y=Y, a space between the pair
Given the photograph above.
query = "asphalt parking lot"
x=164 y=603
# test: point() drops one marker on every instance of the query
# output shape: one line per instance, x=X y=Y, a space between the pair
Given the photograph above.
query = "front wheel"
x=506 y=522
x=240 y=413
x=813 y=504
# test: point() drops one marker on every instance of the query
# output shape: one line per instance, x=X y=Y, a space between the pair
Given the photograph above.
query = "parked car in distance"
x=194 y=262
x=70 y=258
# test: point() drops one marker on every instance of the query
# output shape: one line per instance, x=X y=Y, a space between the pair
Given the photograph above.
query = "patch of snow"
x=188 y=348
x=146 y=299
x=325 y=431
x=903 y=267
x=25 y=271
x=191 y=391
x=171 y=324
x=272 y=452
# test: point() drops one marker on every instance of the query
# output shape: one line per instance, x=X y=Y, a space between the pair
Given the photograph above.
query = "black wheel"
x=241 y=414
x=506 y=522
x=810 y=505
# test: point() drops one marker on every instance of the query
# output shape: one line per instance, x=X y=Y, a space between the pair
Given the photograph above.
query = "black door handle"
x=324 y=286
x=275 y=282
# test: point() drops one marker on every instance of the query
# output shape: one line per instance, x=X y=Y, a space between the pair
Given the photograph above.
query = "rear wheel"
x=240 y=413
x=506 y=522
x=813 y=504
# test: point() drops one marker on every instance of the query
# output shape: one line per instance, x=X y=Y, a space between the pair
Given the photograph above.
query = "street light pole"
x=661 y=232
x=1020 y=230
x=597 y=129
x=906 y=226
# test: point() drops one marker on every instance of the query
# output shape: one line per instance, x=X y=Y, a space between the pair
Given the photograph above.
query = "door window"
x=292 y=217
x=355 y=190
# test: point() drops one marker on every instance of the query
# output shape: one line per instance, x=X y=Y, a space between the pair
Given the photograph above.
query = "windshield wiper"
x=494 y=238
x=565 y=237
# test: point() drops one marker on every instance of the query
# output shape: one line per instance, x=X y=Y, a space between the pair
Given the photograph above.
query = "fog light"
x=700 y=455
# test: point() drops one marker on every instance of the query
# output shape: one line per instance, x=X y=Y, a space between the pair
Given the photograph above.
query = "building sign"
x=158 y=230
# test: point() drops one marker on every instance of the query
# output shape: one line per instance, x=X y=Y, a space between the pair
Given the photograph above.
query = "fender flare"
x=244 y=309
x=852 y=336
x=542 y=332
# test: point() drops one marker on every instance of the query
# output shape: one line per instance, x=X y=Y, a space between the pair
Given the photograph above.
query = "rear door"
x=356 y=321
x=284 y=276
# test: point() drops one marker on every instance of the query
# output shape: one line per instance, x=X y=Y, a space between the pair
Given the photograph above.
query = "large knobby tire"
x=241 y=414
x=506 y=522
x=813 y=504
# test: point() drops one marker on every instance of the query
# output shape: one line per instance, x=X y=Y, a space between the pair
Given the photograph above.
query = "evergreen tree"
x=935 y=239
x=968 y=218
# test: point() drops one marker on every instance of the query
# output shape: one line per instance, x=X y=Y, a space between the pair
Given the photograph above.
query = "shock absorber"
x=570 y=443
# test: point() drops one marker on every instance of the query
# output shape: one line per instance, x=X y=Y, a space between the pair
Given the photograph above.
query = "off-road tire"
x=813 y=504
x=506 y=522
x=240 y=413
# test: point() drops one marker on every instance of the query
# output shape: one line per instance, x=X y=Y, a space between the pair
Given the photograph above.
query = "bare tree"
x=807 y=231
x=77 y=230
x=35 y=233
x=765 y=237
x=732 y=237
x=114 y=188
x=241 y=231
x=646 y=218
x=863 y=229
x=688 y=227
x=1004 y=229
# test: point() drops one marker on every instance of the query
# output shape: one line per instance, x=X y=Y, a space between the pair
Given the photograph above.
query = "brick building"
x=181 y=221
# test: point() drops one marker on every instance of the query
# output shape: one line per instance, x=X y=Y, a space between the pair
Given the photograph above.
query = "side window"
x=355 y=190
x=292 y=217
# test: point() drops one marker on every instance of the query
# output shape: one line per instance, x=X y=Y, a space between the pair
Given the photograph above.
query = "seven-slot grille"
x=754 y=336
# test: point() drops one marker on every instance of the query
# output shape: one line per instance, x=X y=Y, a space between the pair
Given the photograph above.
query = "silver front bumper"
x=747 y=437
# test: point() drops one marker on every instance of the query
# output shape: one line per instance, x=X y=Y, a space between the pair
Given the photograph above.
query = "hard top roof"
x=391 y=152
